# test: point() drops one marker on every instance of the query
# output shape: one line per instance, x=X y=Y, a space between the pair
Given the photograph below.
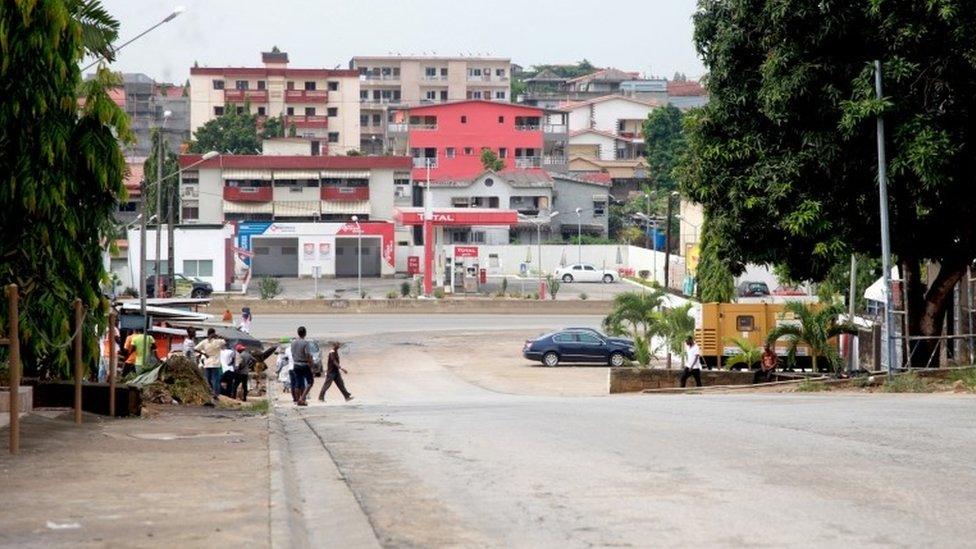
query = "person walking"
x=285 y=371
x=692 y=363
x=334 y=373
x=246 y=318
x=301 y=357
x=210 y=349
x=228 y=363
x=144 y=348
x=767 y=366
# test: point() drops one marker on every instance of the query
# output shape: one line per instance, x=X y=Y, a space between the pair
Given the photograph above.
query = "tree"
x=170 y=186
x=784 y=152
x=664 y=143
x=229 y=133
x=273 y=126
x=676 y=327
x=714 y=279
x=815 y=327
x=490 y=160
x=63 y=171
x=746 y=354
x=634 y=315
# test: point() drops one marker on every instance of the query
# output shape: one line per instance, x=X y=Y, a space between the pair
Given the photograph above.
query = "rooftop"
x=296 y=162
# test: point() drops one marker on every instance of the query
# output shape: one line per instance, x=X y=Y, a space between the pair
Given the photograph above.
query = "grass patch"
x=809 y=386
x=257 y=407
x=966 y=376
x=907 y=383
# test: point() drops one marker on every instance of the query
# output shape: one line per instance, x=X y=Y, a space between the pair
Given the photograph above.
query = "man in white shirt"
x=210 y=349
x=228 y=359
x=692 y=363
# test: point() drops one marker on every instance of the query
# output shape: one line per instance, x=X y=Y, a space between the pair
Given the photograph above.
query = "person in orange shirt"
x=130 y=356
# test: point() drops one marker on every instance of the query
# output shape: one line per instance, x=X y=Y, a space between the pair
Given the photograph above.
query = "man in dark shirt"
x=246 y=362
x=301 y=356
x=334 y=373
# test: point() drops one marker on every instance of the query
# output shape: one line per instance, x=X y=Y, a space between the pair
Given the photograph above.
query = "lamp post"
x=359 y=255
x=538 y=222
x=159 y=198
x=648 y=220
x=579 y=234
x=176 y=12
x=428 y=235
x=694 y=227
x=667 y=247
x=889 y=324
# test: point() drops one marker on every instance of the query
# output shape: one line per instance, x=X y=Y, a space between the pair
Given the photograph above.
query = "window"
x=290 y=85
x=260 y=84
x=588 y=339
x=290 y=111
x=364 y=120
x=489 y=182
x=464 y=119
x=289 y=250
x=218 y=84
x=261 y=250
x=503 y=152
x=588 y=268
x=443 y=95
x=499 y=95
x=449 y=152
x=444 y=72
x=333 y=85
x=309 y=111
x=564 y=338
x=478 y=237
x=621 y=125
x=474 y=95
x=474 y=72
x=501 y=119
x=261 y=111
x=364 y=95
x=377 y=120
x=577 y=267
x=500 y=73
x=240 y=84
x=218 y=111
x=190 y=210
x=745 y=323
x=599 y=208
x=431 y=95
x=333 y=137
x=309 y=86
x=332 y=111
x=468 y=151
x=240 y=109
x=198 y=267
x=430 y=72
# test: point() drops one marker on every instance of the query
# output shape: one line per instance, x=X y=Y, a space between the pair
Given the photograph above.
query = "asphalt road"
x=433 y=458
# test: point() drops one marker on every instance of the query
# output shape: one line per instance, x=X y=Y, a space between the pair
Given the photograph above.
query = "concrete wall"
x=607 y=145
x=635 y=380
x=202 y=243
x=569 y=195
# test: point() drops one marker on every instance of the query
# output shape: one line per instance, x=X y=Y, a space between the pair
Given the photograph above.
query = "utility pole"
x=159 y=202
x=667 y=245
x=889 y=324
x=850 y=307
x=144 y=287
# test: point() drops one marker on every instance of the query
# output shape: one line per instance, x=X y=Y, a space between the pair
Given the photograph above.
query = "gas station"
x=462 y=266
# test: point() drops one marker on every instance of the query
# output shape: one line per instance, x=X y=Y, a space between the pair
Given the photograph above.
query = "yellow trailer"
x=719 y=322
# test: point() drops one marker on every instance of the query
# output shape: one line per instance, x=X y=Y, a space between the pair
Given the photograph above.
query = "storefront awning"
x=295 y=174
x=247 y=207
x=247 y=175
x=345 y=174
x=357 y=207
x=296 y=208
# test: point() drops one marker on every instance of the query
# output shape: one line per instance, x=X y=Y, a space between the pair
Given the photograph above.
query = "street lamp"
x=160 y=155
x=667 y=246
x=176 y=12
x=694 y=237
x=359 y=254
x=579 y=234
x=648 y=220
x=538 y=222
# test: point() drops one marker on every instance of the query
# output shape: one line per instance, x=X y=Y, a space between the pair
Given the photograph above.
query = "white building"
x=609 y=127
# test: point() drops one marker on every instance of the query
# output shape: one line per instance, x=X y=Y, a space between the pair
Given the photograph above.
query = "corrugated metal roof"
x=296 y=208
x=262 y=175
x=360 y=207
x=248 y=207
x=345 y=174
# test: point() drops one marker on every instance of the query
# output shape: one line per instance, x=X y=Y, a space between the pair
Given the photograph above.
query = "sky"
x=649 y=36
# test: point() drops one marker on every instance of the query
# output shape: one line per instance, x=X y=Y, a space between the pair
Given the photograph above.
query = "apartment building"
x=321 y=104
x=449 y=137
x=387 y=81
x=549 y=89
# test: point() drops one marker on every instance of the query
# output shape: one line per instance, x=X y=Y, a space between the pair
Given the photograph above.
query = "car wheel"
x=617 y=360
x=198 y=293
x=550 y=359
x=607 y=278
x=567 y=278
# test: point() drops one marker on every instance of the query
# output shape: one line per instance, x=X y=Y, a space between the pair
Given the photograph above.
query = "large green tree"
x=784 y=152
x=61 y=171
x=229 y=133
x=664 y=142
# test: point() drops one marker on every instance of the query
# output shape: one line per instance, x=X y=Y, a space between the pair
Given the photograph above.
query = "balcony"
x=435 y=78
x=554 y=128
x=307 y=121
x=397 y=127
x=248 y=194
x=421 y=162
x=528 y=127
x=482 y=78
x=553 y=160
x=345 y=194
x=306 y=96
x=387 y=77
x=240 y=96
x=528 y=162
x=380 y=101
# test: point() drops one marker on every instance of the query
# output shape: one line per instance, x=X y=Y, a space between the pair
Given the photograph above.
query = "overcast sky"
x=650 y=36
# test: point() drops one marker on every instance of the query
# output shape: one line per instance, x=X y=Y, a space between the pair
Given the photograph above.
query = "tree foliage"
x=746 y=354
x=170 y=185
x=815 y=326
x=714 y=279
x=784 y=152
x=229 y=133
x=62 y=172
x=490 y=160
x=634 y=314
x=664 y=143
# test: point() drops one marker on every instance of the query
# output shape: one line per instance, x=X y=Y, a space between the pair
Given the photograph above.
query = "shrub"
x=363 y=294
x=807 y=386
x=504 y=286
x=907 y=383
x=439 y=293
x=583 y=296
x=552 y=283
x=269 y=288
x=405 y=289
x=966 y=376
x=417 y=287
x=644 y=274
x=392 y=294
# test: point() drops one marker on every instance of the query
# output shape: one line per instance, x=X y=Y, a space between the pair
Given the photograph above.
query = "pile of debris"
x=177 y=380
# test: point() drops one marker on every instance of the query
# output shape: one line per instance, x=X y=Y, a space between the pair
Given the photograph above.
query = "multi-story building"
x=549 y=89
x=450 y=137
x=144 y=101
x=321 y=104
x=416 y=80
x=687 y=94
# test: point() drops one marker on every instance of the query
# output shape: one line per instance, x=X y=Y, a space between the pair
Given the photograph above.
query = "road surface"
x=449 y=444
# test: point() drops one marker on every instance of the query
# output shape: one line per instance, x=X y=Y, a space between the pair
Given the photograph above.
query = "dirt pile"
x=179 y=381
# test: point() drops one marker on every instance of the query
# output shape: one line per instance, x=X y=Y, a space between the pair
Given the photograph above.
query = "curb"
x=287 y=529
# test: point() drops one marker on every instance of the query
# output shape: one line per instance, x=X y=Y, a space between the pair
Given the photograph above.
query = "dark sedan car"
x=185 y=286
x=578 y=346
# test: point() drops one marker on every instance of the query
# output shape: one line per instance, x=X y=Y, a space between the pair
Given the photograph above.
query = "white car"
x=584 y=272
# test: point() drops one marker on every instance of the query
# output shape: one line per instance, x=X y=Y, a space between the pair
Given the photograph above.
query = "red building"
x=451 y=136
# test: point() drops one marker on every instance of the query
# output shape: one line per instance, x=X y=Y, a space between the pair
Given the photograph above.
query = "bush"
x=504 y=286
x=552 y=283
x=583 y=296
x=269 y=288
x=363 y=294
x=967 y=377
x=439 y=293
x=392 y=294
x=644 y=274
x=418 y=288
x=405 y=289
x=907 y=383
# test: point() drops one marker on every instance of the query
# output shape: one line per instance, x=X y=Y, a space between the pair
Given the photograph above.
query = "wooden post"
x=13 y=340
x=113 y=357
x=78 y=364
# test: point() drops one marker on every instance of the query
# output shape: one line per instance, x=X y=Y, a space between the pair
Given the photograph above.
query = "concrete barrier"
x=26 y=402
x=409 y=306
x=635 y=380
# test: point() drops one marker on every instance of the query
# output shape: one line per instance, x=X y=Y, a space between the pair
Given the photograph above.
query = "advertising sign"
x=325 y=250
x=465 y=251
x=308 y=251
x=413 y=264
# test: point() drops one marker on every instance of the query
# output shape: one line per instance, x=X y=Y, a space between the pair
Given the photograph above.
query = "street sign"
x=316 y=272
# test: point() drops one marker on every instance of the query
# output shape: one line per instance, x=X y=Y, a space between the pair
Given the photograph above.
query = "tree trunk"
x=927 y=308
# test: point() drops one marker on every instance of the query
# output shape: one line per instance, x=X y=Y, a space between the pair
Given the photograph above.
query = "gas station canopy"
x=458 y=217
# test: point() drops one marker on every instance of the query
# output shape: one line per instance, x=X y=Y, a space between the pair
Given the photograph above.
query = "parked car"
x=584 y=272
x=752 y=289
x=579 y=346
x=185 y=286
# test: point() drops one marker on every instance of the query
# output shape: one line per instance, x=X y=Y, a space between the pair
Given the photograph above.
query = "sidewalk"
x=188 y=477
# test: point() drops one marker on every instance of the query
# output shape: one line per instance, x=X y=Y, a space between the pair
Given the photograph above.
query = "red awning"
x=458 y=217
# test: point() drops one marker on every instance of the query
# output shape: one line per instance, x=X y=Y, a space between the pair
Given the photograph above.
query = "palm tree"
x=748 y=353
x=815 y=327
x=635 y=314
x=676 y=327
x=97 y=26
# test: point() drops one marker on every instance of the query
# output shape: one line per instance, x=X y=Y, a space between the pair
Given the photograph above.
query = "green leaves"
x=229 y=133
